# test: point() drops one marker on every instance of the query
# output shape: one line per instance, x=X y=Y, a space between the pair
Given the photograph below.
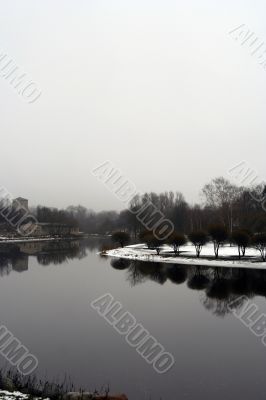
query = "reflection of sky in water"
x=185 y=309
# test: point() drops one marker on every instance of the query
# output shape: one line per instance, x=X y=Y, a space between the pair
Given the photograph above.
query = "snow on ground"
x=187 y=256
x=5 y=395
x=12 y=396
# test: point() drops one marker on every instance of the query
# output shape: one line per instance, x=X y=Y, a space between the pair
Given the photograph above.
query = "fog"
x=159 y=88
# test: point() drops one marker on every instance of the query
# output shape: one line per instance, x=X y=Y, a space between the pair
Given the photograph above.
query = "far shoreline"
x=11 y=240
x=44 y=239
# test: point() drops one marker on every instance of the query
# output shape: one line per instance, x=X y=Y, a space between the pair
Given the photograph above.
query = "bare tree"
x=222 y=194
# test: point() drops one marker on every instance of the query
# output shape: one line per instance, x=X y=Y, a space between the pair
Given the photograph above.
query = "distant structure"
x=55 y=229
x=20 y=202
x=45 y=229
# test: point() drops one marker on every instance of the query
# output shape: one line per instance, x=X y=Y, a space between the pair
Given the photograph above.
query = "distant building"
x=41 y=229
x=54 y=229
x=20 y=202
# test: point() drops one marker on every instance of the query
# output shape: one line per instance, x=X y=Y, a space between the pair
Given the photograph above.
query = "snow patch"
x=5 y=395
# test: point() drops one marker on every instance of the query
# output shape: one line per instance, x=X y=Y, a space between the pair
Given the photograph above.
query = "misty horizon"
x=163 y=90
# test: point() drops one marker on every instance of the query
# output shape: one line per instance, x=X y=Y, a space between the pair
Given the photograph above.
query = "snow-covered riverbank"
x=227 y=256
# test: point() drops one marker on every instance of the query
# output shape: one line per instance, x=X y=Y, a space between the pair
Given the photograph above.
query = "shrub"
x=199 y=239
x=153 y=242
x=242 y=239
x=121 y=238
x=176 y=240
x=259 y=242
x=219 y=235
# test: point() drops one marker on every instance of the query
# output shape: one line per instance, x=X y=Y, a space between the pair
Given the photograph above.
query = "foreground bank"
x=6 y=395
x=15 y=386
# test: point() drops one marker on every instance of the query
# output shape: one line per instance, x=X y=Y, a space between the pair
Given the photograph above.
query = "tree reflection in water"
x=15 y=256
x=198 y=280
x=120 y=263
x=218 y=287
x=177 y=274
x=140 y=272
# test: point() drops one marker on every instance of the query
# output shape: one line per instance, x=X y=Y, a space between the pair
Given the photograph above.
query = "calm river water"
x=45 y=295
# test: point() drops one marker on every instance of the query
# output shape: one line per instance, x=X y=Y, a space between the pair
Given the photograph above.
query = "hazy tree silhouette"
x=143 y=235
x=221 y=195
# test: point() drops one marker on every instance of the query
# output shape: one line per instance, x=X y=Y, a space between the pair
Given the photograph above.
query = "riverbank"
x=6 y=240
x=14 y=386
x=228 y=256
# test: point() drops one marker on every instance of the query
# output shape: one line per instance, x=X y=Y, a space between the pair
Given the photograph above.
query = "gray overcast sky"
x=157 y=87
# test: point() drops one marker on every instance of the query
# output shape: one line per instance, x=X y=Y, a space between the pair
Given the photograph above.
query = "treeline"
x=53 y=215
x=222 y=202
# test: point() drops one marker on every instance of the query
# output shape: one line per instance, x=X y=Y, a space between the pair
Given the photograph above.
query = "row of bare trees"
x=217 y=234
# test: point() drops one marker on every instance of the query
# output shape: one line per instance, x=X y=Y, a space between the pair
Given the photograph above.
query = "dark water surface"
x=45 y=295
